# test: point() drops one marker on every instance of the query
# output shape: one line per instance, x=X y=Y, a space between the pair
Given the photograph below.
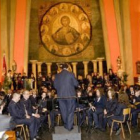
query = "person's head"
x=49 y=93
x=131 y=88
x=111 y=94
x=79 y=93
x=9 y=91
x=16 y=97
x=137 y=93
x=110 y=71
x=65 y=66
x=99 y=92
x=24 y=74
x=45 y=89
x=43 y=95
x=2 y=95
x=39 y=74
x=89 y=88
x=43 y=79
x=65 y=21
x=26 y=94
x=9 y=71
x=90 y=94
x=32 y=74
x=34 y=93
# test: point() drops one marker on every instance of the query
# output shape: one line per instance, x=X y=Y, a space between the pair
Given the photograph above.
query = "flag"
x=4 y=67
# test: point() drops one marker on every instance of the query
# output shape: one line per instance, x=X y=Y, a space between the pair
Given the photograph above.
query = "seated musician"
x=96 y=110
x=20 y=116
x=81 y=108
x=135 y=108
x=118 y=114
x=42 y=107
x=55 y=111
x=110 y=107
x=34 y=100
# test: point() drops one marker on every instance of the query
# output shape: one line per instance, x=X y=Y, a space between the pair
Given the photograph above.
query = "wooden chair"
x=126 y=112
x=49 y=121
x=58 y=119
x=23 y=130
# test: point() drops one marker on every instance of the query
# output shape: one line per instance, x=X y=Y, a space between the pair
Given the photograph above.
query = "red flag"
x=4 y=68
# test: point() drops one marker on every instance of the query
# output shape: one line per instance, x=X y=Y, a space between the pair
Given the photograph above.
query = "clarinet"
x=26 y=113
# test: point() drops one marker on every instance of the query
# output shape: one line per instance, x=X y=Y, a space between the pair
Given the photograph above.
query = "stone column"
x=85 y=68
x=34 y=68
x=48 y=68
x=94 y=65
x=74 y=68
x=100 y=60
x=39 y=66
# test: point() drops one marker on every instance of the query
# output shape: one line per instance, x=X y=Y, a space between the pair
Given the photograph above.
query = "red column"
x=135 y=31
x=113 y=39
x=19 y=42
x=0 y=47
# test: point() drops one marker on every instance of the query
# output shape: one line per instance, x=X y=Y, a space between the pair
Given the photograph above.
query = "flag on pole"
x=4 y=67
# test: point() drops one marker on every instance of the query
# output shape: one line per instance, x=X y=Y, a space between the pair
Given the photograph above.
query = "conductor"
x=65 y=83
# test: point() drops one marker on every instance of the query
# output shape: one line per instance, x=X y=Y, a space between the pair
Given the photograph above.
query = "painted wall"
x=20 y=26
x=19 y=41
x=135 y=31
x=0 y=47
x=112 y=32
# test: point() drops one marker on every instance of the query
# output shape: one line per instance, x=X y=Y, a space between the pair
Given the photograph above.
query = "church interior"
x=99 y=42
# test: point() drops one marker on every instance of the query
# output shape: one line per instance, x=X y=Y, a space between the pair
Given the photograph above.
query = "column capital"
x=33 y=61
x=94 y=61
x=74 y=63
x=48 y=64
x=39 y=63
x=85 y=62
x=100 y=58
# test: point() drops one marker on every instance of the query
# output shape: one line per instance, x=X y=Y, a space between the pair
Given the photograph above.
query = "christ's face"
x=65 y=21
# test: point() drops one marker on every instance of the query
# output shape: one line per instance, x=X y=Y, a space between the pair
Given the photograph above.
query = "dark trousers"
x=32 y=123
x=53 y=114
x=67 y=108
x=97 y=116
x=134 y=119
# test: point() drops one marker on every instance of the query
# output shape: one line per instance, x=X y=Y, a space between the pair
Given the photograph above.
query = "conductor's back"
x=65 y=83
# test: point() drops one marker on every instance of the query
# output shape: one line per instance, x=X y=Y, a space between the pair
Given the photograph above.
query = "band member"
x=118 y=114
x=34 y=99
x=96 y=110
x=110 y=107
x=136 y=108
x=26 y=106
x=42 y=105
x=65 y=83
x=81 y=107
x=22 y=117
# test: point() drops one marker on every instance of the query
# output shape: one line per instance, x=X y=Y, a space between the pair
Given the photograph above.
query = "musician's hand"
x=37 y=115
x=28 y=117
x=93 y=108
x=34 y=107
x=1 y=109
x=105 y=112
x=134 y=100
x=90 y=104
x=44 y=109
